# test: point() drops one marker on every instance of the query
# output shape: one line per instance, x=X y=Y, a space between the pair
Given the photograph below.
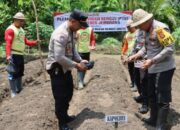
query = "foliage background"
x=167 y=11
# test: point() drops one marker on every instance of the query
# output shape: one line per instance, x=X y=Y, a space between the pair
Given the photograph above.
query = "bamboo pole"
x=38 y=38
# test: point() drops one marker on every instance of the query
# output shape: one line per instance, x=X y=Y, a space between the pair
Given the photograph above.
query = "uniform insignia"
x=164 y=37
x=62 y=39
x=84 y=36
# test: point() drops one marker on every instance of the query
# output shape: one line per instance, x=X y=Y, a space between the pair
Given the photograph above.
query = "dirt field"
x=107 y=93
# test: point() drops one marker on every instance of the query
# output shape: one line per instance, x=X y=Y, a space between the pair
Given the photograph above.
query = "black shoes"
x=162 y=123
x=149 y=121
x=138 y=99
x=70 y=119
x=66 y=120
x=65 y=127
x=144 y=109
x=153 y=115
x=131 y=85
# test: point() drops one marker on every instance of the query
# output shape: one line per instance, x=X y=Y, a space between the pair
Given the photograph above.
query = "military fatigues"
x=160 y=73
x=130 y=39
x=140 y=75
x=139 y=43
x=61 y=57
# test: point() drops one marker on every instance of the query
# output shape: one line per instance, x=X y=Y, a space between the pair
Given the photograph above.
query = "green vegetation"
x=109 y=45
x=2 y=51
x=176 y=35
x=110 y=41
x=44 y=32
x=167 y=11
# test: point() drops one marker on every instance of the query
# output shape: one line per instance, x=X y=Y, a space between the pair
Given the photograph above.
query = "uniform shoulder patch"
x=62 y=39
x=164 y=37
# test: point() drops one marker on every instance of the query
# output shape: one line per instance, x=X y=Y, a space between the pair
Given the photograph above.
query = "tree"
x=167 y=11
x=163 y=11
x=5 y=18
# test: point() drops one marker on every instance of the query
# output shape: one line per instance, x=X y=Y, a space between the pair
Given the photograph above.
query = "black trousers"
x=159 y=87
x=141 y=80
x=131 y=72
x=137 y=79
x=85 y=56
x=144 y=87
x=18 y=61
x=62 y=89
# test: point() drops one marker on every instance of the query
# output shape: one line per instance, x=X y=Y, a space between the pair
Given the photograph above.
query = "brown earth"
x=107 y=93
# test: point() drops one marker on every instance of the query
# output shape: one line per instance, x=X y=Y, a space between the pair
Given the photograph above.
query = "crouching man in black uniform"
x=62 y=58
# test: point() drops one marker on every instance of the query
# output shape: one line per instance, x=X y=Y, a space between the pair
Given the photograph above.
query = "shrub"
x=103 y=35
x=2 y=53
x=44 y=32
x=176 y=35
x=5 y=19
x=110 y=41
x=109 y=45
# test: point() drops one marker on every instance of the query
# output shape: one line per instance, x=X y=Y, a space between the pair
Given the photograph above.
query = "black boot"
x=12 y=84
x=153 y=115
x=70 y=118
x=64 y=127
x=19 y=84
x=144 y=109
x=138 y=99
x=162 y=118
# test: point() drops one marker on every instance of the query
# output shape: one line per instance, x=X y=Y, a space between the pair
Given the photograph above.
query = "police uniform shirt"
x=162 y=55
x=62 y=49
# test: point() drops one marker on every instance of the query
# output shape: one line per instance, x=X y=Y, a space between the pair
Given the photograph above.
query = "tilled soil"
x=107 y=93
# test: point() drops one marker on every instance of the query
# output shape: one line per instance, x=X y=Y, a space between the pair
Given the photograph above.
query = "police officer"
x=160 y=64
x=62 y=58
x=140 y=75
x=128 y=44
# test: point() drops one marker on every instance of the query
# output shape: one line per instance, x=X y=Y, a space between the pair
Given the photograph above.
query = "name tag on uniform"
x=164 y=37
x=116 y=118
